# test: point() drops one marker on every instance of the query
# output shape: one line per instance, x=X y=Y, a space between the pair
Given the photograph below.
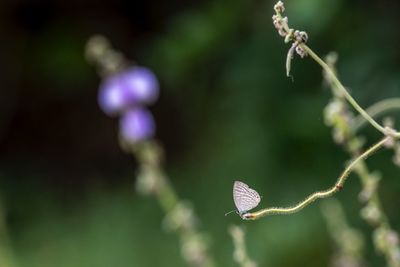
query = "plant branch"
x=320 y=194
x=298 y=40
x=346 y=94
x=384 y=237
x=376 y=110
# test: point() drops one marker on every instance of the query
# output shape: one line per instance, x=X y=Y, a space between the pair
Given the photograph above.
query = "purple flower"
x=112 y=98
x=137 y=125
x=141 y=85
x=132 y=87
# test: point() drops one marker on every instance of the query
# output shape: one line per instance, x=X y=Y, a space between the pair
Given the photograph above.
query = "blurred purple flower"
x=141 y=85
x=112 y=98
x=132 y=87
x=137 y=125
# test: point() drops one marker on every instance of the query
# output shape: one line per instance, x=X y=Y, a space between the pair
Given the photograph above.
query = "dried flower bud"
x=193 y=250
x=300 y=51
x=331 y=111
x=388 y=123
x=392 y=238
x=275 y=20
x=379 y=237
x=181 y=216
x=96 y=48
x=371 y=213
x=282 y=32
x=279 y=7
x=301 y=36
x=148 y=180
x=370 y=187
x=387 y=240
x=280 y=24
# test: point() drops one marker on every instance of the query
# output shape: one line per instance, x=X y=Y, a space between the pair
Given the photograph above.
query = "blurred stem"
x=240 y=253
x=152 y=178
x=349 y=242
x=345 y=93
x=385 y=239
x=320 y=194
x=376 y=110
x=180 y=216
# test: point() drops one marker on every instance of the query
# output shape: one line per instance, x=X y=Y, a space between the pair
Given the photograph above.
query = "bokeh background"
x=226 y=112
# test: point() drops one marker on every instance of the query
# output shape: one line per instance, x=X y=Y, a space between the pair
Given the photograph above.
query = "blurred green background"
x=226 y=112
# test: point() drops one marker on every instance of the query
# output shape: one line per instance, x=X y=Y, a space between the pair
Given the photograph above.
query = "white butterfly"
x=245 y=199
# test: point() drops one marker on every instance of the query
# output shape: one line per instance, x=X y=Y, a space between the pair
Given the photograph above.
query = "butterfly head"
x=247 y=216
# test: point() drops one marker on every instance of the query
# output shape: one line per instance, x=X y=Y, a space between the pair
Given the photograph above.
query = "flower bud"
x=141 y=85
x=132 y=87
x=137 y=125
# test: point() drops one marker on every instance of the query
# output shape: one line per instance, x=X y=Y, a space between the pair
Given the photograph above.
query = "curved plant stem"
x=320 y=194
x=376 y=110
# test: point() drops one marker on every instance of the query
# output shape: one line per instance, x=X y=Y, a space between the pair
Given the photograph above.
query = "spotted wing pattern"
x=244 y=197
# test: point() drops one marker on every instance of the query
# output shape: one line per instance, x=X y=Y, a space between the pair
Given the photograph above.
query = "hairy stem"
x=320 y=194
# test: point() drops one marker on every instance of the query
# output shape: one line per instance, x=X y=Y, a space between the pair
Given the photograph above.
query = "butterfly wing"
x=245 y=198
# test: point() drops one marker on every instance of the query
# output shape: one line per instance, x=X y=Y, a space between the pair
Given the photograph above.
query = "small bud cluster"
x=338 y=117
x=370 y=187
x=290 y=35
x=181 y=216
x=387 y=240
x=194 y=246
x=240 y=254
x=279 y=7
x=280 y=24
x=392 y=143
x=371 y=213
x=300 y=37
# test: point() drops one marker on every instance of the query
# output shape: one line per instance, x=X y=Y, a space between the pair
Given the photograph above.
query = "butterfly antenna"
x=229 y=212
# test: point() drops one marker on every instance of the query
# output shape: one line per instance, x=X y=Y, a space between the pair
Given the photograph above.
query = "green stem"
x=376 y=110
x=346 y=94
x=320 y=194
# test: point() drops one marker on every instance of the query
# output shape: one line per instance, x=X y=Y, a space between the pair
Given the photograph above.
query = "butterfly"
x=245 y=199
